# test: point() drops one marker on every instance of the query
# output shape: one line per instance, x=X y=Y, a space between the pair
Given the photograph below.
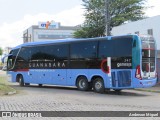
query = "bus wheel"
x=21 y=80
x=82 y=83
x=98 y=85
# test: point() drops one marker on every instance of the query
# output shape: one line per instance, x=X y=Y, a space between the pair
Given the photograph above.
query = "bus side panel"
x=72 y=75
x=47 y=76
x=11 y=76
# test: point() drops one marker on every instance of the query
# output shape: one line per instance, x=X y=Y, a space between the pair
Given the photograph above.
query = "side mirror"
x=3 y=59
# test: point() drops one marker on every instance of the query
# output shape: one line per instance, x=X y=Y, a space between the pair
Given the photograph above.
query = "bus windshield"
x=148 y=57
x=11 y=59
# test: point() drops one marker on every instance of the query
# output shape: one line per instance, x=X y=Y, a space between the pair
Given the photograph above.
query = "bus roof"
x=43 y=42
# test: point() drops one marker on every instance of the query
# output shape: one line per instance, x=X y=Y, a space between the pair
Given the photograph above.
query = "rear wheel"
x=98 y=85
x=82 y=83
x=20 y=80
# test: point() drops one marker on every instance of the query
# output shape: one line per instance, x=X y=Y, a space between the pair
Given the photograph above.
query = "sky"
x=18 y=15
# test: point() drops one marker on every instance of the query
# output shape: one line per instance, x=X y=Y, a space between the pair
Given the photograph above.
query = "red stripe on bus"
x=21 y=70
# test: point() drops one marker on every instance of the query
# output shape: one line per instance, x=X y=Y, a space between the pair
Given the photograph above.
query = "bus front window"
x=11 y=59
x=9 y=62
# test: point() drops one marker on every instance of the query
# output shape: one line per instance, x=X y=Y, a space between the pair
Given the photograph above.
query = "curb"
x=11 y=93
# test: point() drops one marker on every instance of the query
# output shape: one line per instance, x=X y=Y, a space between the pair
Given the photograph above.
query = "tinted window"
x=49 y=52
x=106 y=49
x=11 y=59
x=83 y=55
x=84 y=50
x=43 y=57
x=115 y=48
x=58 y=52
x=22 y=59
x=23 y=55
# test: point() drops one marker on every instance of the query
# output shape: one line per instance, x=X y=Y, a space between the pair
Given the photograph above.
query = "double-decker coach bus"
x=114 y=62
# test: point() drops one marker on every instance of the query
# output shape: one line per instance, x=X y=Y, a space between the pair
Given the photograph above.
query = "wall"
x=142 y=26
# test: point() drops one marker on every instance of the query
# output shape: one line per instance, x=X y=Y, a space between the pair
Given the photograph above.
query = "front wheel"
x=98 y=85
x=82 y=83
x=21 y=80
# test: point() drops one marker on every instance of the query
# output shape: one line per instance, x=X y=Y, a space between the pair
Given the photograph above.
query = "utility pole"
x=107 y=17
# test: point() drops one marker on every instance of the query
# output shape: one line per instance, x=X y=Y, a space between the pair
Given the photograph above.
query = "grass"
x=5 y=88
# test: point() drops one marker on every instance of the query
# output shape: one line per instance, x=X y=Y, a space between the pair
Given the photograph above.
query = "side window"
x=106 y=49
x=49 y=52
x=123 y=47
x=37 y=53
x=22 y=59
x=23 y=55
x=56 y=52
x=84 y=50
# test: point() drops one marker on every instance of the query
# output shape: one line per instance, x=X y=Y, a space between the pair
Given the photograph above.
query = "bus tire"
x=82 y=83
x=21 y=80
x=98 y=85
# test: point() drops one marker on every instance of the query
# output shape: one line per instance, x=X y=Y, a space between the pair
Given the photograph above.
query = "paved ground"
x=56 y=98
x=52 y=98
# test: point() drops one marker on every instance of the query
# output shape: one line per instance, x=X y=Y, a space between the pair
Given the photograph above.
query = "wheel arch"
x=17 y=77
x=96 y=76
x=79 y=77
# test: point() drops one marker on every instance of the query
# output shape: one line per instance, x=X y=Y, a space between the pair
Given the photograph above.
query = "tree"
x=120 y=11
x=1 y=51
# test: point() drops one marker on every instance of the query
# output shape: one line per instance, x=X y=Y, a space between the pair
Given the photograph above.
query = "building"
x=6 y=50
x=48 y=31
x=148 y=26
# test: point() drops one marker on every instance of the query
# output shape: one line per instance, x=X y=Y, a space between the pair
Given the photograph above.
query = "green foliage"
x=1 y=51
x=120 y=11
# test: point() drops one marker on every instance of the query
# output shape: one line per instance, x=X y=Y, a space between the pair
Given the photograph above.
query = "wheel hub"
x=98 y=85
